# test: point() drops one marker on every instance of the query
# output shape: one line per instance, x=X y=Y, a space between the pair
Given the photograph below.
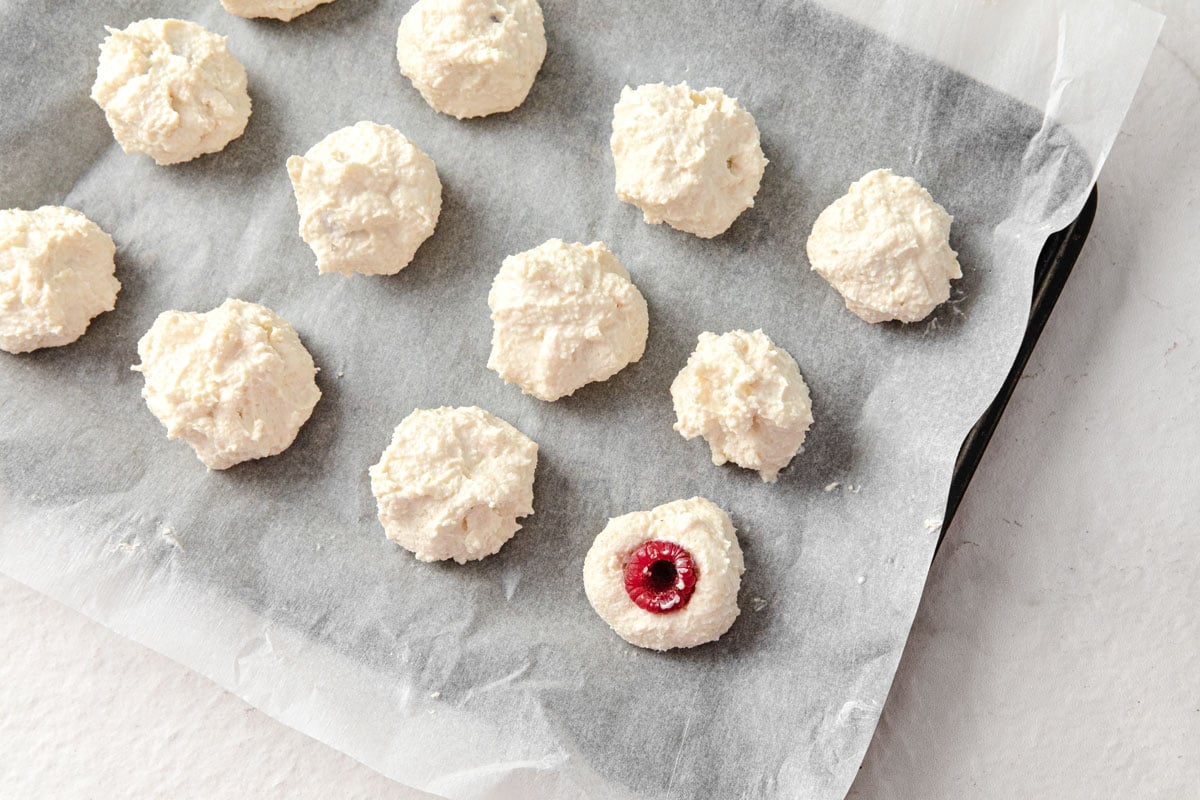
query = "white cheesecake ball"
x=56 y=274
x=285 y=10
x=688 y=158
x=472 y=58
x=747 y=398
x=453 y=482
x=368 y=198
x=564 y=315
x=235 y=383
x=171 y=89
x=885 y=246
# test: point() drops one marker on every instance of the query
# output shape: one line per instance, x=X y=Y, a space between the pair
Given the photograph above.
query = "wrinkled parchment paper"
x=496 y=679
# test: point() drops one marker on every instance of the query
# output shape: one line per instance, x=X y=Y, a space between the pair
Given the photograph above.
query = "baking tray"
x=314 y=617
x=1054 y=266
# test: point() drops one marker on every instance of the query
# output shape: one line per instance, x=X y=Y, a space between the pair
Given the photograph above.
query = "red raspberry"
x=660 y=577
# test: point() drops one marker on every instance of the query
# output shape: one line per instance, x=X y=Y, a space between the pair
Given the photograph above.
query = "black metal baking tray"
x=1055 y=262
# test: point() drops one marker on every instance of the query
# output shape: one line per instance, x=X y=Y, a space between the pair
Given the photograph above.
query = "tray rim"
x=1055 y=263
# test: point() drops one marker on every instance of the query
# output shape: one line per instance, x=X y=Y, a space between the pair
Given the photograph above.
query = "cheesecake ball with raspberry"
x=668 y=577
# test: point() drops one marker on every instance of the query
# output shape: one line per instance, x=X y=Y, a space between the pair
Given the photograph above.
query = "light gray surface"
x=85 y=713
x=170 y=267
x=1056 y=652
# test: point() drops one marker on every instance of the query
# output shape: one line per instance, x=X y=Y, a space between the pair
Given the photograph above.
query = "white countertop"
x=1056 y=652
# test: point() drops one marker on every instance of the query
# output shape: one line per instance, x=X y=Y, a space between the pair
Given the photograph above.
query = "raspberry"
x=660 y=577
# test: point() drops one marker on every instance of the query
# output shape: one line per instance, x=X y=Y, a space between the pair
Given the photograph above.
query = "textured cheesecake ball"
x=285 y=10
x=885 y=246
x=453 y=482
x=171 y=89
x=368 y=198
x=471 y=58
x=689 y=159
x=564 y=315
x=235 y=383
x=746 y=397
x=668 y=577
x=56 y=274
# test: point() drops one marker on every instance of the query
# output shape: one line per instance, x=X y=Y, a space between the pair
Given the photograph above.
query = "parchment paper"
x=496 y=679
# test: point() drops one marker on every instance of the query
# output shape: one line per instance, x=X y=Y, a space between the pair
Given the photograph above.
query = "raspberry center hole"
x=660 y=576
x=663 y=575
